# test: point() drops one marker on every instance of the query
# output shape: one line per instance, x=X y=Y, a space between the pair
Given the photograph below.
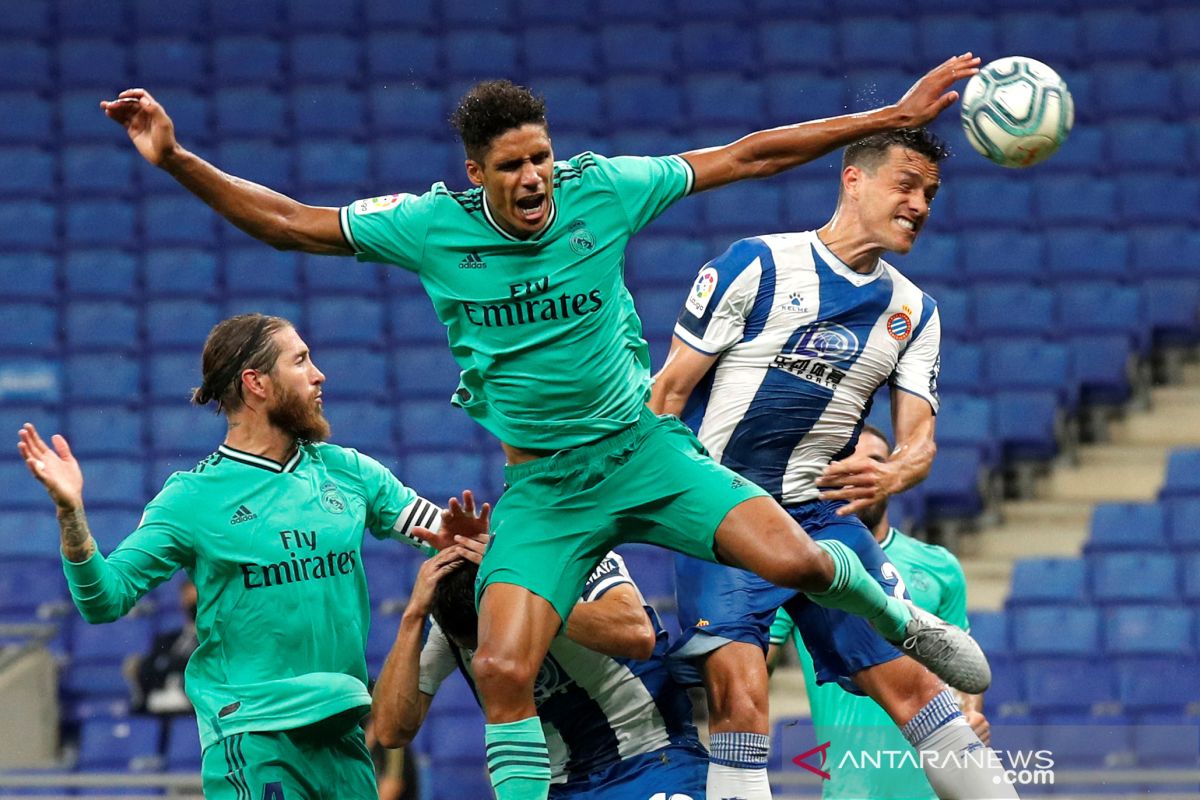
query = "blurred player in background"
x=616 y=723
x=778 y=349
x=155 y=678
x=935 y=581
x=525 y=271
x=270 y=529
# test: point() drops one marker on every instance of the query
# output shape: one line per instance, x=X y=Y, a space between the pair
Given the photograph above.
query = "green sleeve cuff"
x=84 y=574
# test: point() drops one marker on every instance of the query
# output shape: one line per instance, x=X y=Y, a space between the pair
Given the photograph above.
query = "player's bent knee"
x=735 y=677
x=500 y=675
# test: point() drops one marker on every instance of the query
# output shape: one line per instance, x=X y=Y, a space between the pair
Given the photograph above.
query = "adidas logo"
x=243 y=514
x=472 y=261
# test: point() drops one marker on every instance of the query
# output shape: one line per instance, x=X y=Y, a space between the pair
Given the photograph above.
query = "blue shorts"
x=719 y=605
x=678 y=771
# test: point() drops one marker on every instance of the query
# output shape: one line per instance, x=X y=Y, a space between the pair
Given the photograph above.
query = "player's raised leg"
x=515 y=629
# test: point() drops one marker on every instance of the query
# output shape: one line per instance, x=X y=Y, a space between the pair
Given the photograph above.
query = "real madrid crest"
x=580 y=238
x=332 y=499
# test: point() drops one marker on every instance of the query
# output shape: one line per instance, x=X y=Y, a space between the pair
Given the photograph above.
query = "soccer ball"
x=1017 y=111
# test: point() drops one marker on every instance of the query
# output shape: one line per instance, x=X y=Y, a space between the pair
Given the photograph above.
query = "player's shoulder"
x=186 y=487
x=437 y=198
x=335 y=457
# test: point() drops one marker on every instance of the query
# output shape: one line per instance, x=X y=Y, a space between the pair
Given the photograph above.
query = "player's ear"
x=851 y=180
x=253 y=383
x=475 y=172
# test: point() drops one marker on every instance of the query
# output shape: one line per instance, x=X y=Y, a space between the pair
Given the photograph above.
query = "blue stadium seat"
x=479 y=54
x=1171 y=309
x=181 y=430
x=111 y=642
x=323 y=15
x=966 y=420
x=93 y=18
x=1055 y=630
x=29 y=275
x=954 y=483
x=407 y=54
x=940 y=36
x=878 y=41
x=170 y=376
x=423 y=371
x=431 y=424
x=1135 y=577
x=795 y=96
x=576 y=103
x=1028 y=363
x=246 y=59
x=1100 y=307
x=991 y=201
x=937 y=259
x=27 y=583
x=124 y=484
x=27 y=224
x=455 y=738
x=1132 y=89
x=413 y=164
x=1127 y=148
x=19 y=490
x=663 y=260
x=353 y=374
x=1092 y=253
x=653 y=570
x=1101 y=365
x=1165 y=740
x=962 y=364
x=637 y=10
x=869 y=89
x=1049 y=37
x=1127 y=526
x=191 y=113
x=658 y=310
x=1048 y=580
x=259 y=160
x=183 y=324
x=1182 y=516
x=1068 y=684
x=365 y=426
x=1121 y=34
x=406 y=109
x=92 y=62
x=1000 y=254
x=177 y=220
x=27 y=19
x=179 y=272
x=1160 y=250
x=745 y=209
x=103 y=377
x=723 y=99
x=111 y=430
x=643 y=101
x=1149 y=631
x=1026 y=422
x=1087 y=150
x=1143 y=199
x=1183 y=31
x=120 y=745
x=327 y=110
x=441 y=475
x=99 y=169
x=477 y=13
x=455 y=696
x=1016 y=310
x=25 y=534
x=102 y=325
x=101 y=273
x=249 y=111
x=183 y=744
x=794 y=44
x=1064 y=199
x=333 y=162
x=29 y=118
x=100 y=222
x=1183 y=474
x=808 y=203
x=26 y=171
x=260 y=270
x=184 y=16
x=990 y=630
x=170 y=61
x=413 y=320
x=344 y=321
x=638 y=48
x=325 y=57
x=560 y=50
x=1146 y=683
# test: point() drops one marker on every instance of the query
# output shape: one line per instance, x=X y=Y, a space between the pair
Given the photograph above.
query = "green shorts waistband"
x=585 y=453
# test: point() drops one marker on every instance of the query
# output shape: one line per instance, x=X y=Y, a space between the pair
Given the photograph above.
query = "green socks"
x=517 y=760
x=854 y=590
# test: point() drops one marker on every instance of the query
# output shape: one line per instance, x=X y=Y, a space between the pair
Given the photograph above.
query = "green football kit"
x=275 y=551
x=861 y=734
x=553 y=359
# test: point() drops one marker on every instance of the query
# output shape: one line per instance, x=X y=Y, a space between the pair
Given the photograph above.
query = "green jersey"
x=544 y=329
x=275 y=553
x=856 y=725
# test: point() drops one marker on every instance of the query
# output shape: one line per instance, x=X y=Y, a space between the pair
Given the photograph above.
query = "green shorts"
x=652 y=482
x=312 y=763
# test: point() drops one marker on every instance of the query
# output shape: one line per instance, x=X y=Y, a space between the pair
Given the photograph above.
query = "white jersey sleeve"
x=721 y=299
x=437 y=661
x=917 y=370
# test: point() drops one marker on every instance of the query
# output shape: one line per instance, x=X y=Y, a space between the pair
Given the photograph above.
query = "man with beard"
x=935 y=580
x=270 y=529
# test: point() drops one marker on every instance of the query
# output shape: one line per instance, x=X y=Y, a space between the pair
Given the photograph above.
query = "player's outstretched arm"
x=263 y=213
x=58 y=471
x=770 y=152
x=674 y=383
x=615 y=624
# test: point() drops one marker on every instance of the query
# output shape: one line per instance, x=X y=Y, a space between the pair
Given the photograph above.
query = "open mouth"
x=907 y=225
x=532 y=208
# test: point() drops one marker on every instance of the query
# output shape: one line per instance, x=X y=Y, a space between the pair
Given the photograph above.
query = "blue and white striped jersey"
x=804 y=341
x=595 y=710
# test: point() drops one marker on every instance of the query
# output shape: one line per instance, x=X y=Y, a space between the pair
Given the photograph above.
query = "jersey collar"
x=888 y=539
x=252 y=460
x=491 y=220
x=843 y=269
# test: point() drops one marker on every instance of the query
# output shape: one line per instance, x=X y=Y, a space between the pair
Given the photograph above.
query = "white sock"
x=957 y=764
x=737 y=766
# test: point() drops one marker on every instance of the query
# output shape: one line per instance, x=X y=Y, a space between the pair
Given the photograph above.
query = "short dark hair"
x=871 y=429
x=491 y=108
x=246 y=341
x=869 y=152
x=453 y=606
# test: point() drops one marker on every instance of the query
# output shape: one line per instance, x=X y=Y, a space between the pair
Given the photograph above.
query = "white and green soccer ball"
x=1017 y=111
